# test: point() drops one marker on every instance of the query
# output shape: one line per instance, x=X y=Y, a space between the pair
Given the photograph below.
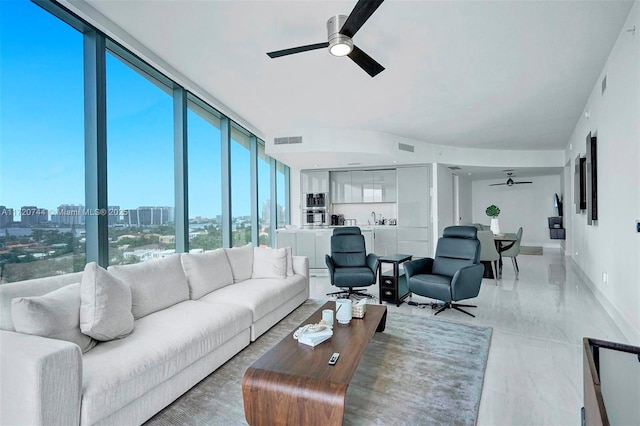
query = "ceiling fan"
x=510 y=181
x=341 y=29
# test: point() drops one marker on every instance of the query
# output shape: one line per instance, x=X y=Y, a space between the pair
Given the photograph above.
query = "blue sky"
x=42 y=136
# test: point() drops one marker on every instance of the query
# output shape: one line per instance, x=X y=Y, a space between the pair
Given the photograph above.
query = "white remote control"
x=334 y=358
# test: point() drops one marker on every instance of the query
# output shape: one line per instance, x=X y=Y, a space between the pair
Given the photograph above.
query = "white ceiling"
x=483 y=74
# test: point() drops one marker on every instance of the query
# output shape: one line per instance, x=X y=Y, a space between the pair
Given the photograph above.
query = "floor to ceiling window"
x=240 y=188
x=281 y=194
x=140 y=165
x=43 y=214
x=41 y=144
x=264 y=197
x=205 y=186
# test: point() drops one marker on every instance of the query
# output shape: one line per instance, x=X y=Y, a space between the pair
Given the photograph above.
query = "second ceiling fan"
x=510 y=181
x=341 y=29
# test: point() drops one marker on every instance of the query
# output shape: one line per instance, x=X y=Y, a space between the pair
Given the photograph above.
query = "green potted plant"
x=493 y=211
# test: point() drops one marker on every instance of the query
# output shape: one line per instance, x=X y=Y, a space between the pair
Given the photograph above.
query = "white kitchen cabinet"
x=323 y=247
x=384 y=241
x=414 y=203
x=306 y=246
x=415 y=248
x=368 y=240
x=364 y=186
x=385 y=188
x=314 y=181
x=361 y=181
x=341 y=187
x=286 y=238
x=414 y=185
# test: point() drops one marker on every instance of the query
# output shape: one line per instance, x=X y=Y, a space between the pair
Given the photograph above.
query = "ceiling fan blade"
x=496 y=184
x=359 y=15
x=365 y=62
x=298 y=49
x=518 y=183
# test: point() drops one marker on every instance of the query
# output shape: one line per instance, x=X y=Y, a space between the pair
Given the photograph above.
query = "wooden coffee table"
x=294 y=384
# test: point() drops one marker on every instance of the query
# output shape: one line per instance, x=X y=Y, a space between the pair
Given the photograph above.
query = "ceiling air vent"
x=287 y=141
x=454 y=168
x=405 y=147
x=604 y=83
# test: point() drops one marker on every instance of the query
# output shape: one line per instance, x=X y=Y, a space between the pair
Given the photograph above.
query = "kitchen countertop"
x=329 y=227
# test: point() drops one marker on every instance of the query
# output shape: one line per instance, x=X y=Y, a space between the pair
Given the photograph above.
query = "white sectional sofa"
x=189 y=314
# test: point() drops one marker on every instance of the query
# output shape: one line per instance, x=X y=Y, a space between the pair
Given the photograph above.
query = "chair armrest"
x=418 y=266
x=332 y=268
x=466 y=282
x=372 y=262
x=41 y=380
x=301 y=265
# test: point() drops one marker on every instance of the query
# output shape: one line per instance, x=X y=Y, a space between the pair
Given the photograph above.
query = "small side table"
x=393 y=288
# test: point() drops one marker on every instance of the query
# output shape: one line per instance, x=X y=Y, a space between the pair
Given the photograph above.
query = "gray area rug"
x=419 y=371
x=531 y=250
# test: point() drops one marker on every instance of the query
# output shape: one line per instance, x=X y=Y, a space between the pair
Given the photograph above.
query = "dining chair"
x=488 y=252
x=514 y=251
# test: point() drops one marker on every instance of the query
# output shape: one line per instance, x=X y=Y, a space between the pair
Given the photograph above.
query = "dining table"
x=503 y=242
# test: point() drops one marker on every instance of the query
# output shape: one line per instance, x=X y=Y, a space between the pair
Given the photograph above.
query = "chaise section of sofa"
x=191 y=315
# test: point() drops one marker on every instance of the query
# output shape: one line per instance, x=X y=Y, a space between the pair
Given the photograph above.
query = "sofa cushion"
x=155 y=285
x=105 y=304
x=206 y=272
x=241 y=261
x=261 y=296
x=289 y=261
x=161 y=345
x=269 y=263
x=27 y=288
x=55 y=315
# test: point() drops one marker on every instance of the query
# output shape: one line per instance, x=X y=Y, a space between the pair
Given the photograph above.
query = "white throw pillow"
x=105 y=304
x=155 y=285
x=55 y=315
x=289 y=261
x=241 y=261
x=269 y=263
x=206 y=272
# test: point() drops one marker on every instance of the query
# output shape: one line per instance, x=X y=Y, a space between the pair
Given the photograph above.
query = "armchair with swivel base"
x=455 y=273
x=349 y=264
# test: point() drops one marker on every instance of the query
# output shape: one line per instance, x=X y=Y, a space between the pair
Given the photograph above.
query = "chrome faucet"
x=374 y=217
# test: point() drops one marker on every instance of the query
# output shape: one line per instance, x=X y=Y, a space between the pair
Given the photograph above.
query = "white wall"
x=444 y=194
x=465 y=200
x=526 y=205
x=612 y=245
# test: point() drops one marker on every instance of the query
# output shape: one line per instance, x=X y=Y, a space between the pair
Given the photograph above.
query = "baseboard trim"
x=633 y=336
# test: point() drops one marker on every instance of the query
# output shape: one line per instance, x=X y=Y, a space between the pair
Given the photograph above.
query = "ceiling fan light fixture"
x=339 y=44
x=341 y=48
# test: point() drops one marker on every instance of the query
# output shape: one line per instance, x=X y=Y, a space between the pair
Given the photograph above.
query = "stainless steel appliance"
x=316 y=200
x=315 y=217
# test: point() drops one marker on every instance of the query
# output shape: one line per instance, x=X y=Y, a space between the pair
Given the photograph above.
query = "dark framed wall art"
x=592 y=179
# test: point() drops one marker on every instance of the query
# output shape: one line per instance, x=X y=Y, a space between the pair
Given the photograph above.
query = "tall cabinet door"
x=306 y=246
x=414 y=215
x=314 y=181
x=385 y=180
x=414 y=185
x=341 y=187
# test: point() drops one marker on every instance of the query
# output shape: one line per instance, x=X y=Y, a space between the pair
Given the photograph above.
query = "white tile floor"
x=534 y=371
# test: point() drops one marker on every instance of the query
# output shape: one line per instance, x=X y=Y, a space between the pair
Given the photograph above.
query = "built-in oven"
x=317 y=200
x=315 y=217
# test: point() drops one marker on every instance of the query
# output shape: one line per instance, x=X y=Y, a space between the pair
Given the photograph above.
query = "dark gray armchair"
x=349 y=264
x=454 y=274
